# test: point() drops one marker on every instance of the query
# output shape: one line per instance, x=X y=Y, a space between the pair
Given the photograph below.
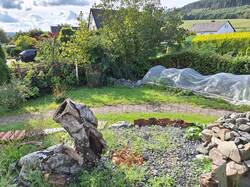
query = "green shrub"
x=194 y=132
x=4 y=72
x=205 y=62
x=25 y=42
x=12 y=95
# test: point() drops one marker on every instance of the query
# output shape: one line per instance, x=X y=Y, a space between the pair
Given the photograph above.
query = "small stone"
x=244 y=127
x=203 y=150
x=230 y=126
x=240 y=121
x=247 y=162
x=216 y=129
x=230 y=120
x=206 y=135
x=245 y=152
x=237 y=141
x=228 y=136
x=221 y=133
x=237 y=115
x=248 y=115
x=240 y=146
x=201 y=157
x=230 y=150
x=121 y=124
x=245 y=135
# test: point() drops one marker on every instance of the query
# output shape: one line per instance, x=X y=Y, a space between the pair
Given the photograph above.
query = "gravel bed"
x=175 y=161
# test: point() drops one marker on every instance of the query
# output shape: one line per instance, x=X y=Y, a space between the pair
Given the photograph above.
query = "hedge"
x=204 y=62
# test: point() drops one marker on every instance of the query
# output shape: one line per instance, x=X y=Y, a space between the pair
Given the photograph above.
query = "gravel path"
x=182 y=108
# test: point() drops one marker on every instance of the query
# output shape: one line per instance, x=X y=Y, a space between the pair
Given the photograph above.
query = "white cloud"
x=16 y=15
x=61 y=2
x=11 y=4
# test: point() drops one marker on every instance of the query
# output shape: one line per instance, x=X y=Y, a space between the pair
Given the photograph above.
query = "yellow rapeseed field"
x=222 y=37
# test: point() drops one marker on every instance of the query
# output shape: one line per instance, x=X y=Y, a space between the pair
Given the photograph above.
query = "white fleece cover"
x=233 y=88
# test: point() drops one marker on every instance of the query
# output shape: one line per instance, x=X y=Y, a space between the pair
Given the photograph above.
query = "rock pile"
x=59 y=164
x=227 y=144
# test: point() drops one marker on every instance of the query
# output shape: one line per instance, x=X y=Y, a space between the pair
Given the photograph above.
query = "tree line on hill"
x=217 y=9
x=216 y=4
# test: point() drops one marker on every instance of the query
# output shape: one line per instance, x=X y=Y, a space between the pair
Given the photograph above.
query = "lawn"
x=239 y=24
x=96 y=97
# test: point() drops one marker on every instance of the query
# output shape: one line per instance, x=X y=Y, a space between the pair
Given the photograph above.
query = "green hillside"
x=216 y=4
x=239 y=24
x=217 y=9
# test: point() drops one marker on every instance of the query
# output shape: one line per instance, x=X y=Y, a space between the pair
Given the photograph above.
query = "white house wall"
x=92 y=25
x=226 y=28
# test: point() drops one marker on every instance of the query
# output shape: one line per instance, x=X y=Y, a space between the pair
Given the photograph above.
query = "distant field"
x=239 y=24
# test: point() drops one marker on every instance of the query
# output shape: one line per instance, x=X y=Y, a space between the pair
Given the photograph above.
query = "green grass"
x=239 y=24
x=97 y=97
x=110 y=118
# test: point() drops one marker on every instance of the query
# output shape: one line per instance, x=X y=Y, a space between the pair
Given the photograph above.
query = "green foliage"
x=4 y=71
x=223 y=13
x=25 y=42
x=161 y=181
x=12 y=95
x=194 y=132
x=3 y=36
x=65 y=34
x=132 y=36
x=204 y=61
x=217 y=9
x=51 y=75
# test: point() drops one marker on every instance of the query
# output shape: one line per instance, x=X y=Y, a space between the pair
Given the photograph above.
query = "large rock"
x=235 y=169
x=217 y=157
x=230 y=150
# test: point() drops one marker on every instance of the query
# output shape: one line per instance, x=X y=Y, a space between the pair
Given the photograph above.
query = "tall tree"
x=3 y=36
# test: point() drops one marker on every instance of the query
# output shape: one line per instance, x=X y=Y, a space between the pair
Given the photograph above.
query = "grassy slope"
x=113 y=96
x=111 y=118
x=239 y=24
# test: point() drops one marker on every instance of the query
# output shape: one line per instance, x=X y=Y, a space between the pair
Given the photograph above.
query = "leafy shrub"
x=25 y=42
x=194 y=132
x=50 y=76
x=12 y=95
x=4 y=72
x=205 y=62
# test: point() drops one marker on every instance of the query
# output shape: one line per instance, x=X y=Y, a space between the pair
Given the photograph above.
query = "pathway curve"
x=182 y=108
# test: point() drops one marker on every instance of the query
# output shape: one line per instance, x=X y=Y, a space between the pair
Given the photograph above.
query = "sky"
x=23 y=15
